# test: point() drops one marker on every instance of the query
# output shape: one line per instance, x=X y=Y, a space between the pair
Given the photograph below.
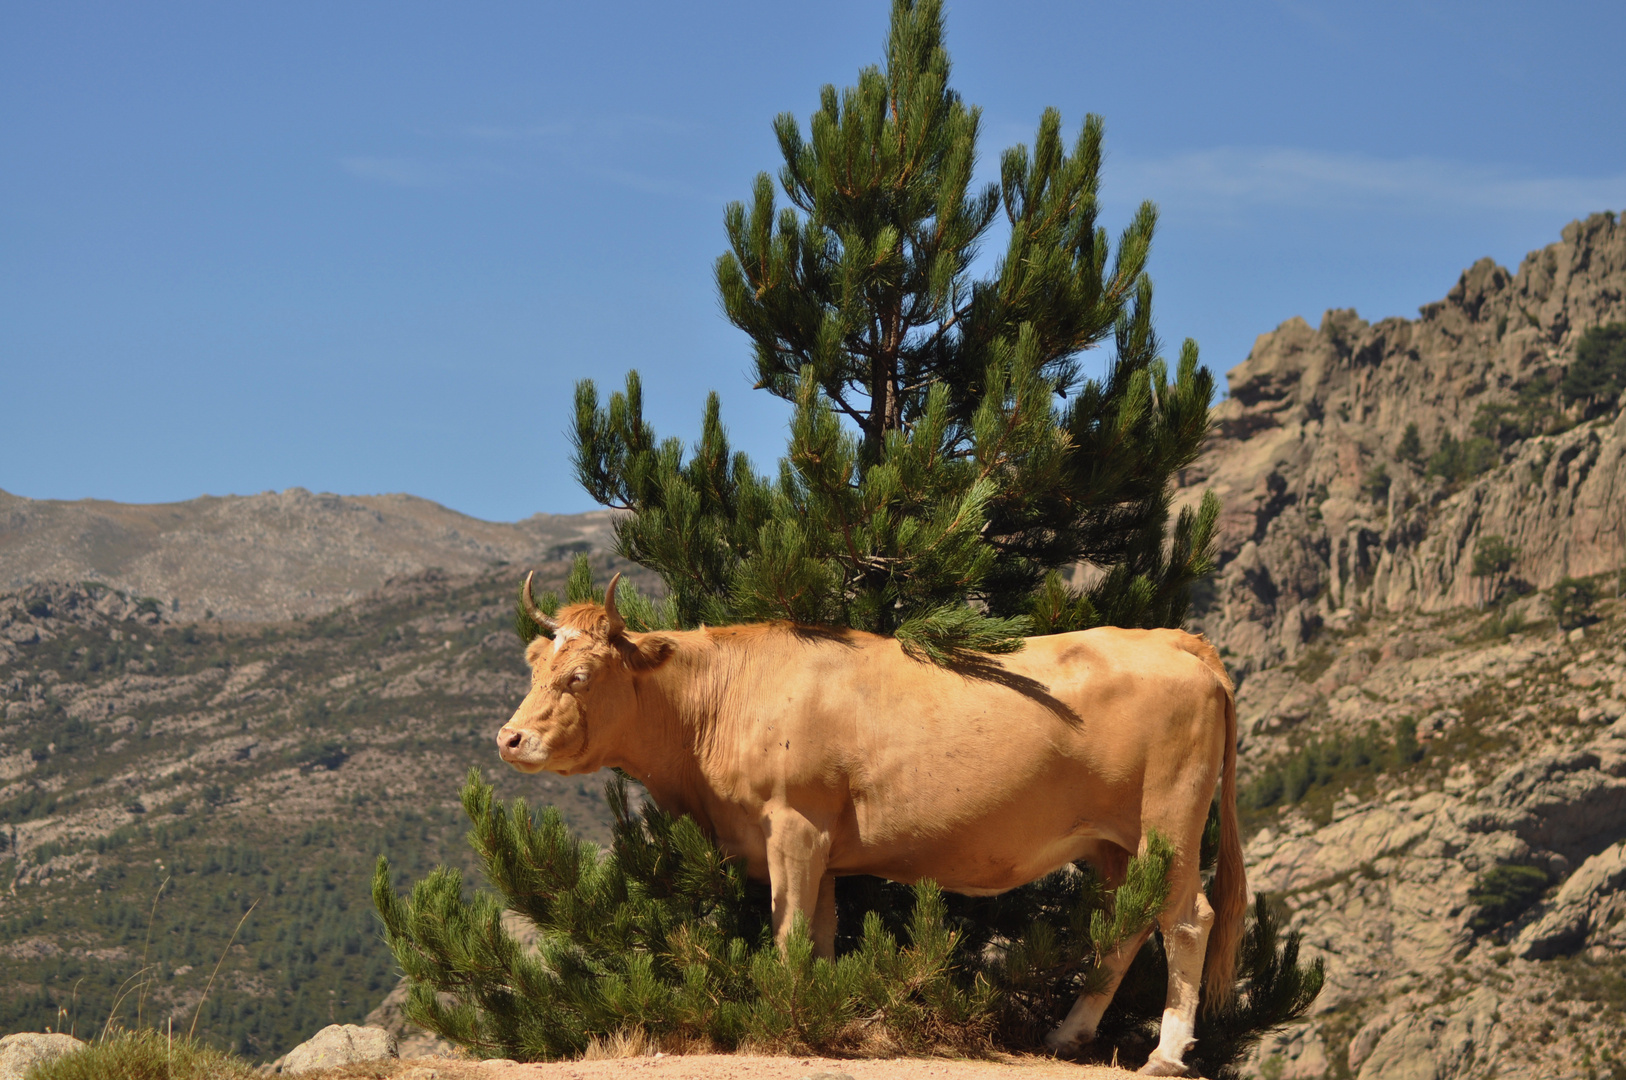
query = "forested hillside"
x=159 y=778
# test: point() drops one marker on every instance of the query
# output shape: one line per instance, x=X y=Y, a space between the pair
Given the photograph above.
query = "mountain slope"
x=243 y=764
x=268 y=556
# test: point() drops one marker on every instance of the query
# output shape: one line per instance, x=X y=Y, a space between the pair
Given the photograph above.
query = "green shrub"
x=1598 y=373
x=1375 y=485
x=144 y=1055
x=1321 y=761
x=1493 y=559
x=1572 y=601
x=1457 y=461
x=1411 y=446
x=664 y=937
x=661 y=934
x=1493 y=556
x=1531 y=413
x=1507 y=624
x=1504 y=892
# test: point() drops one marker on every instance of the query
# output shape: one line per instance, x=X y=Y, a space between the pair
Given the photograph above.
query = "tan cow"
x=811 y=754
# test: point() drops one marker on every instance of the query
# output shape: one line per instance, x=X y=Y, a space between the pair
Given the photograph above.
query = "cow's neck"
x=677 y=721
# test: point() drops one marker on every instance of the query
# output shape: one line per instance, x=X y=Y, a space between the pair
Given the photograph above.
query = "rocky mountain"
x=1423 y=539
x=1326 y=516
x=269 y=556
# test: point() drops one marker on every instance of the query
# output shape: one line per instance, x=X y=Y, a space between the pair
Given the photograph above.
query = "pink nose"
x=508 y=741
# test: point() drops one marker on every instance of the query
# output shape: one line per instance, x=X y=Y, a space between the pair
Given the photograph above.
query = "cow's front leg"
x=798 y=852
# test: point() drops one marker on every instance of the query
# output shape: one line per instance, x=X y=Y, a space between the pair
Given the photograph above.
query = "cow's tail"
x=1229 y=892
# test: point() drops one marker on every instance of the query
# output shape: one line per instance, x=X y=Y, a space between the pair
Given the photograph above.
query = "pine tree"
x=948 y=464
x=947 y=459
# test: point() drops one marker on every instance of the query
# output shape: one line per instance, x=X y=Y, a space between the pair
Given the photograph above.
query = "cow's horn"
x=528 y=602
x=617 y=624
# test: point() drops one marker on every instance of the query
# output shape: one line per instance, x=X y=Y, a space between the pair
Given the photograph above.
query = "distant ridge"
x=270 y=556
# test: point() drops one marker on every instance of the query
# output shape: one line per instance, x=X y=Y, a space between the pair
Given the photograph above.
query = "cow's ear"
x=644 y=652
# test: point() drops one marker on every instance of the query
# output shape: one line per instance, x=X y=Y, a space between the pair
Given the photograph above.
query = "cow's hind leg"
x=1185 y=929
x=1078 y=1029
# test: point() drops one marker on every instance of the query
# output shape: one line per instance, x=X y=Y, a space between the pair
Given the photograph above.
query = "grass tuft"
x=144 y=1055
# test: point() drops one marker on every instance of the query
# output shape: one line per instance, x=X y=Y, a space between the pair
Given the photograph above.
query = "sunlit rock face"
x=1324 y=519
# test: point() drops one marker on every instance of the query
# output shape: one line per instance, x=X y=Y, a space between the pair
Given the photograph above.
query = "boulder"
x=339 y=1044
x=25 y=1049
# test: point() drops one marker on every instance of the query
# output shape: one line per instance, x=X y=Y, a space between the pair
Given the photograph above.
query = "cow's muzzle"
x=518 y=748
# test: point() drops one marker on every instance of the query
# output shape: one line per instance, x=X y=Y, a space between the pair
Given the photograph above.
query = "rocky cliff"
x=1325 y=516
x=1434 y=750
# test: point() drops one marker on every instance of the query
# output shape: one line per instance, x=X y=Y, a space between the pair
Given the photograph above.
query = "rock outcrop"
x=1435 y=770
x=1323 y=517
x=1586 y=908
x=22 y=1051
x=335 y=1045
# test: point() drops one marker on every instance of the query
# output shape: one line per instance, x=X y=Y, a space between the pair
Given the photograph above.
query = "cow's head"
x=582 y=701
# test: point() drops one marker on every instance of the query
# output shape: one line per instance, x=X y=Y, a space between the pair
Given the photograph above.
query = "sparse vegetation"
x=1336 y=760
x=1503 y=893
x=207 y=775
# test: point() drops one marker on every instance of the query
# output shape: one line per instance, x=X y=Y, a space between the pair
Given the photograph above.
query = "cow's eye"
x=579 y=678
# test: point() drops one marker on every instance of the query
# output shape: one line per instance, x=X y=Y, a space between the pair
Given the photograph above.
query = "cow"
x=811 y=753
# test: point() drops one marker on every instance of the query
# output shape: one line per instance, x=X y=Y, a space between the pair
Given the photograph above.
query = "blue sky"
x=371 y=247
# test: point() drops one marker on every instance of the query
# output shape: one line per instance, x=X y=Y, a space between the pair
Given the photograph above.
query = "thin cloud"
x=502 y=133
x=1231 y=178
x=412 y=172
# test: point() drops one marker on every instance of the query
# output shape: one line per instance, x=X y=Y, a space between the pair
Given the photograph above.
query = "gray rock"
x=25 y=1049
x=1307 y=539
x=1571 y=802
x=1581 y=906
x=1442 y=1043
x=1366 y=1039
x=339 y=1044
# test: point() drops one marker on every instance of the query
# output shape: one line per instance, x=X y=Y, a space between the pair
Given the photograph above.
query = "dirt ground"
x=730 y=1067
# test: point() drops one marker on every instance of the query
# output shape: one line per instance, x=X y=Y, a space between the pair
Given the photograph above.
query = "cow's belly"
x=982 y=843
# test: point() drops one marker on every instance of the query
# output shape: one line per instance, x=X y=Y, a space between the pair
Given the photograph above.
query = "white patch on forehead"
x=563 y=635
